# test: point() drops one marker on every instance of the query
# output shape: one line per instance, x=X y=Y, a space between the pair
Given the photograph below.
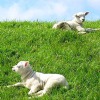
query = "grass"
x=75 y=56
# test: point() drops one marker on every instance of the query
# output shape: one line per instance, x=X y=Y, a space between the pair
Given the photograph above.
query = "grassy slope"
x=77 y=57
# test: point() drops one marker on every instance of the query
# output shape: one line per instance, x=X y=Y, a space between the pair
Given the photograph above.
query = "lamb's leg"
x=92 y=30
x=17 y=84
x=80 y=30
x=62 y=25
x=34 y=89
x=48 y=87
x=87 y=30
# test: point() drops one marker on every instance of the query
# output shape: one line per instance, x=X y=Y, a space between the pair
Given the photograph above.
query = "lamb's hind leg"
x=62 y=25
x=47 y=88
x=33 y=90
x=51 y=83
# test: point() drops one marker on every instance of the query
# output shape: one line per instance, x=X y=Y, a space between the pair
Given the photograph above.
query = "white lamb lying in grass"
x=75 y=24
x=38 y=83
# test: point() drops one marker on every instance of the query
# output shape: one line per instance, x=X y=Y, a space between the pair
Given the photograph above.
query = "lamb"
x=75 y=24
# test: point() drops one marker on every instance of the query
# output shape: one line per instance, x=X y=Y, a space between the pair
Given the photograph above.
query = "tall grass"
x=75 y=56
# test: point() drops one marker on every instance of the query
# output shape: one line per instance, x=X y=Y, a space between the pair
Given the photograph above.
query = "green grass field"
x=75 y=56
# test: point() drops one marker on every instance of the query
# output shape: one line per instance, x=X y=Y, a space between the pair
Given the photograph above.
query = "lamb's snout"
x=13 y=69
x=83 y=20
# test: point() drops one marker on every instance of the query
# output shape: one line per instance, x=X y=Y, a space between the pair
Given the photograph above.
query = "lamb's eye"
x=78 y=16
x=18 y=66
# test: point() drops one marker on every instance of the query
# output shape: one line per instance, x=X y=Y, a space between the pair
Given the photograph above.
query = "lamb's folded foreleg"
x=92 y=30
x=82 y=30
x=17 y=84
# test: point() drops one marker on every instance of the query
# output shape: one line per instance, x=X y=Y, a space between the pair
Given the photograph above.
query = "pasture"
x=75 y=56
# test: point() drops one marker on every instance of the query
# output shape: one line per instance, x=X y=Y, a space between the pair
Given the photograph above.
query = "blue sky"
x=47 y=10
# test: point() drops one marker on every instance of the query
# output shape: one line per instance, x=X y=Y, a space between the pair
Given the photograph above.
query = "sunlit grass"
x=75 y=56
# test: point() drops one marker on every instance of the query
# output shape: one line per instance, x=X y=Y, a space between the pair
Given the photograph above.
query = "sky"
x=47 y=10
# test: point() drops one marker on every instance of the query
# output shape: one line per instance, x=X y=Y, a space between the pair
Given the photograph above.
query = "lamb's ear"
x=26 y=63
x=86 y=13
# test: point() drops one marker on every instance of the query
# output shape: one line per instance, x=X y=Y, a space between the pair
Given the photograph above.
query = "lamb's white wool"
x=38 y=83
x=75 y=24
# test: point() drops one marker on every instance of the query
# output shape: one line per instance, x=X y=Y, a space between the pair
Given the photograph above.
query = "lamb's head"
x=21 y=67
x=80 y=17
